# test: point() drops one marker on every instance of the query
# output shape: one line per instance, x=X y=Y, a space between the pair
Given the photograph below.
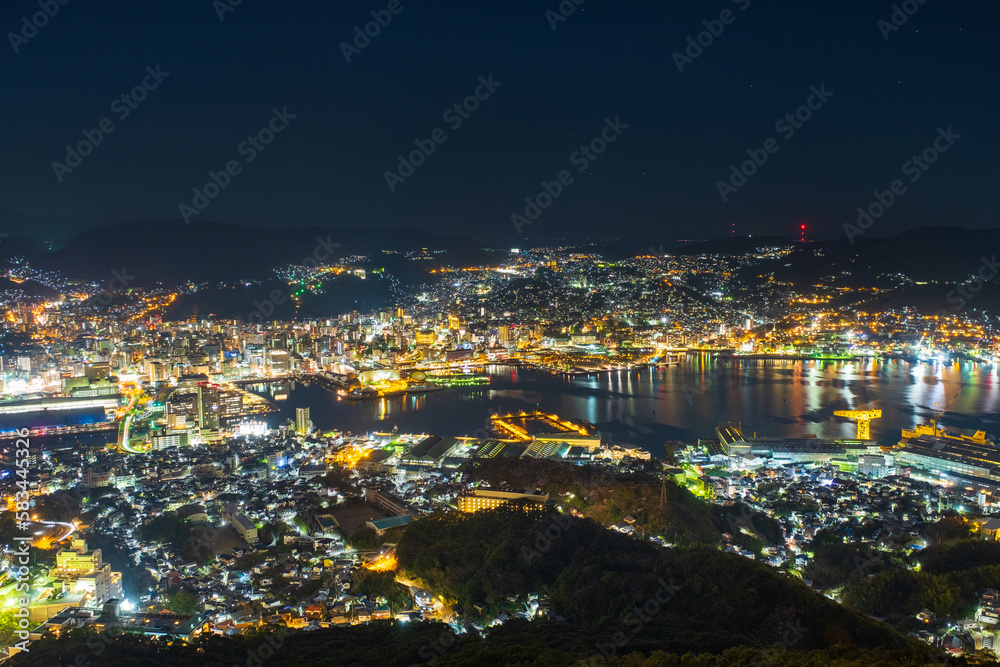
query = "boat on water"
x=953 y=459
x=367 y=393
x=934 y=432
x=816 y=356
x=458 y=379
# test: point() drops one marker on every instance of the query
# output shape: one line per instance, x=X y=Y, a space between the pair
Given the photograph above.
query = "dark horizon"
x=536 y=87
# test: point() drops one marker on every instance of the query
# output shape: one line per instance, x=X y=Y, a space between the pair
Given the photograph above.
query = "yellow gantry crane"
x=864 y=419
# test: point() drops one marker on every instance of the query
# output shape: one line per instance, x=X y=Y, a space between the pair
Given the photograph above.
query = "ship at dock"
x=954 y=459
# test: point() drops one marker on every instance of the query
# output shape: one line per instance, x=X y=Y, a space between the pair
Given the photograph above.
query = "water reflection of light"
x=716 y=393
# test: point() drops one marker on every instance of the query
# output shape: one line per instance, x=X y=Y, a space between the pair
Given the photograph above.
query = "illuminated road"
x=441 y=611
x=67 y=527
x=41 y=531
x=124 y=441
x=125 y=427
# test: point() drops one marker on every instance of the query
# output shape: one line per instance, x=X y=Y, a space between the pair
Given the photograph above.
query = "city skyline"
x=526 y=332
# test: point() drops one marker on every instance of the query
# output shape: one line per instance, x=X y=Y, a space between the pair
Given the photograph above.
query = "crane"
x=937 y=420
x=864 y=419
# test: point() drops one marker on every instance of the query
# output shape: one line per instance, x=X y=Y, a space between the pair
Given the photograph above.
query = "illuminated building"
x=874 y=465
x=172 y=438
x=938 y=456
x=386 y=501
x=382 y=526
x=487 y=499
x=430 y=451
x=99 y=370
x=280 y=361
x=208 y=406
x=88 y=572
x=591 y=442
x=57 y=412
x=244 y=527
x=739 y=447
x=302 y=422
x=82 y=386
x=96 y=475
x=230 y=403
x=254 y=428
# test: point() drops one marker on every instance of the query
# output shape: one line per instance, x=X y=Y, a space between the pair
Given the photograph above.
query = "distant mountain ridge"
x=172 y=253
x=932 y=254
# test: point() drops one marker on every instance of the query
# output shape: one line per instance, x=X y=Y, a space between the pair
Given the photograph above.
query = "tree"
x=183 y=602
x=381 y=585
x=7 y=626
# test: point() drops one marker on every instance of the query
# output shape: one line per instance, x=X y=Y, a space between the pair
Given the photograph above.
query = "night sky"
x=606 y=60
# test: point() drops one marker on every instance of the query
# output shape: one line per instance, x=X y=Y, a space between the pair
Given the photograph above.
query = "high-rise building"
x=208 y=406
x=281 y=361
x=302 y=422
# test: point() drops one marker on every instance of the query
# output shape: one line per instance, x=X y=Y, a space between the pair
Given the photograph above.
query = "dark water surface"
x=648 y=406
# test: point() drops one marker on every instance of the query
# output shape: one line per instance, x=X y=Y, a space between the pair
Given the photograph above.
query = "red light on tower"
x=802 y=233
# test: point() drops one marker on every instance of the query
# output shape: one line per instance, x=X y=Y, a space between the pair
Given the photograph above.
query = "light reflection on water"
x=648 y=406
